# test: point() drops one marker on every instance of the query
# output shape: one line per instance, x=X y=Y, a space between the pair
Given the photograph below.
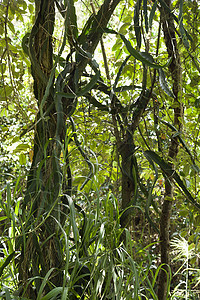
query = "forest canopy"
x=99 y=149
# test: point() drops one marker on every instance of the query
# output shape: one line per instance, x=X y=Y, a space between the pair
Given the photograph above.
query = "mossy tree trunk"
x=175 y=70
x=42 y=248
x=44 y=207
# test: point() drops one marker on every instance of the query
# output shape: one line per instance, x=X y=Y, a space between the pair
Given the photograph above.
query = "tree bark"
x=41 y=247
x=126 y=149
x=43 y=181
x=175 y=70
x=129 y=180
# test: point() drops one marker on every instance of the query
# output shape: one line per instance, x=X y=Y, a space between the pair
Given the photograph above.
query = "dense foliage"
x=99 y=161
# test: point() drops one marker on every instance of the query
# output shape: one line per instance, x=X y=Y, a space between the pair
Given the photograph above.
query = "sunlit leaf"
x=22 y=159
x=21 y=147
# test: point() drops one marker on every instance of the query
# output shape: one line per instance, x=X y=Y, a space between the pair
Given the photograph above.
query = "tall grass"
x=97 y=265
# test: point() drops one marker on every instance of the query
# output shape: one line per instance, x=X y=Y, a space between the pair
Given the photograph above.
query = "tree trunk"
x=43 y=207
x=129 y=180
x=126 y=149
x=43 y=186
x=175 y=69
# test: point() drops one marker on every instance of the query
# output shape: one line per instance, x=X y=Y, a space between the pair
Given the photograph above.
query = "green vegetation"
x=99 y=161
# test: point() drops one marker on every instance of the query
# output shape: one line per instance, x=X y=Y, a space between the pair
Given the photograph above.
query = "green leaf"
x=168 y=198
x=172 y=174
x=149 y=199
x=21 y=147
x=85 y=90
x=164 y=84
x=25 y=43
x=117 y=45
x=140 y=56
x=71 y=21
x=123 y=28
x=22 y=159
x=96 y=103
x=73 y=219
x=178 y=134
x=181 y=27
x=175 y=105
x=53 y=294
x=44 y=282
x=120 y=72
x=145 y=15
x=31 y=8
x=6 y=262
x=152 y=13
x=86 y=30
x=183 y=35
x=11 y=26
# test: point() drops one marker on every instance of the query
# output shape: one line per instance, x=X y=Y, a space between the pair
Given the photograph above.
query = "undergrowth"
x=96 y=263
